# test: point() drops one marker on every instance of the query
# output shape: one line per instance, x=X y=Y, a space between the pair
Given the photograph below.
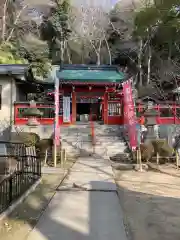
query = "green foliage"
x=160 y=19
x=9 y=54
x=162 y=148
x=32 y=112
x=37 y=54
x=147 y=151
x=55 y=30
x=146 y=19
x=32 y=52
x=27 y=46
x=43 y=144
x=60 y=20
x=29 y=139
x=157 y=25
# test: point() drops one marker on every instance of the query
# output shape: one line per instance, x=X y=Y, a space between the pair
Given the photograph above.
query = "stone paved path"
x=86 y=207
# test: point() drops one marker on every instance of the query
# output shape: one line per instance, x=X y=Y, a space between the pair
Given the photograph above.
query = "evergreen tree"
x=55 y=31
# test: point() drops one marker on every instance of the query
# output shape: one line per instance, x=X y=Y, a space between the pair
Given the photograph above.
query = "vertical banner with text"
x=129 y=114
x=66 y=109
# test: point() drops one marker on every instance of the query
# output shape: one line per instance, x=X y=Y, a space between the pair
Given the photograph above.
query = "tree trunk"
x=149 y=65
x=82 y=54
x=170 y=52
x=98 y=59
x=4 y=21
x=109 y=51
x=98 y=52
x=62 y=52
x=15 y=22
x=140 y=61
x=69 y=57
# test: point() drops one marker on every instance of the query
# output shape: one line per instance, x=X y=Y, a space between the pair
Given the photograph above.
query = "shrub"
x=147 y=151
x=158 y=144
x=162 y=147
x=29 y=139
x=43 y=144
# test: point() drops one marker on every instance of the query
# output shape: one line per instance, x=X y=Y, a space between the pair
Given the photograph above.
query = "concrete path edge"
x=21 y=199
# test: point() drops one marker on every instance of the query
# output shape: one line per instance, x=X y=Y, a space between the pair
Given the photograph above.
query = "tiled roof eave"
x=95 y=82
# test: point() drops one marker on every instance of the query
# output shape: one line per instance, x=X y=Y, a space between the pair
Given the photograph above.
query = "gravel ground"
x=151 y=204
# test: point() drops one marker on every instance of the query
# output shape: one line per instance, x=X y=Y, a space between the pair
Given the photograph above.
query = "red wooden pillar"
x=73 y=107
x=105 y=112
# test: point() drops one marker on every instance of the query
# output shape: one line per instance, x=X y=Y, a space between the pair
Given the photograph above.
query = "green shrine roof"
x=91 y=74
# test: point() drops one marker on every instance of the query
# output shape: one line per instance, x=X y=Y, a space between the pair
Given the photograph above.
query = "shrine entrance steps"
x=77 y=140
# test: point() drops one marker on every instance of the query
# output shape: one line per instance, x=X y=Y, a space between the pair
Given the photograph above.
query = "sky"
x=107 y=4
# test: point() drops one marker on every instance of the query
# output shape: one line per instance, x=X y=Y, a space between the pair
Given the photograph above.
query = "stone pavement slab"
x=97 y=165
x=87 y=169
x=52 y=170
x=81 y=216
x=76 y=214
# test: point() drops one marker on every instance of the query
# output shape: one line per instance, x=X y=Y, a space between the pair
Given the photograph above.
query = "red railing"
x=46 y=119
x=168 y=113
x=47 y=109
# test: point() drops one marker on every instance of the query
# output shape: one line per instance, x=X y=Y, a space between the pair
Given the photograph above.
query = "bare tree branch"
x=89 y=26
x=15 y=23
x=4 y=20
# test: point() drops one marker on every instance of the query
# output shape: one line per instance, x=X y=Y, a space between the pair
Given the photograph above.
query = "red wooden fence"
x=168 y=114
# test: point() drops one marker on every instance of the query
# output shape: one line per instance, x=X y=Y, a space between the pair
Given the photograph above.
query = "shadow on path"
x=97 y=216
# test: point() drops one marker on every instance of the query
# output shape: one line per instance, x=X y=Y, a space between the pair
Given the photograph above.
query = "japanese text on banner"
x=129 y=114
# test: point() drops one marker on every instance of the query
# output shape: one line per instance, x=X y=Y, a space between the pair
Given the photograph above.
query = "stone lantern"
x=33 y=113
x=150 y=115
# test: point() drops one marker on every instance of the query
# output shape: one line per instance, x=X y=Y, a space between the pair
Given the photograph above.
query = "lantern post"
x=150 y=115
x=32 y=113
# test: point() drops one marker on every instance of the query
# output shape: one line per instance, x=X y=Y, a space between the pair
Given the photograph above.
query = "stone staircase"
x=76 y=139
x=109 y=141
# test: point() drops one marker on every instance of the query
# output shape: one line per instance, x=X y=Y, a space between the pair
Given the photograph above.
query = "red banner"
x=56 y=98
x=129 y=114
